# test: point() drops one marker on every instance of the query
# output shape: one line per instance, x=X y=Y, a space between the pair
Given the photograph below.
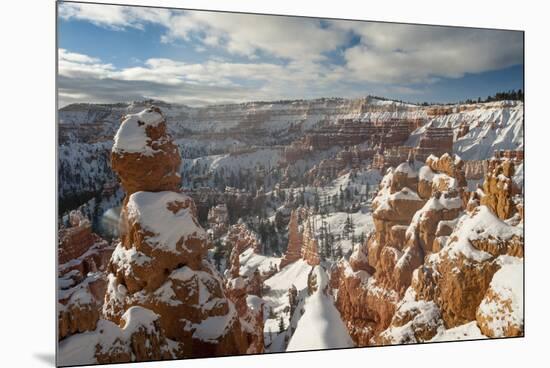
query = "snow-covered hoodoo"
x=437 y=260
x=163 y=298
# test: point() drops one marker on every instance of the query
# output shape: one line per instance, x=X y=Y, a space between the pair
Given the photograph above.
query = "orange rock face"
x=144 y=156
x=413 y=321
x=294 y=248
x=310 y=248
x=498 y=188
x=241 y=238
x=365 y=306
x=74 y=241
x=160 y=264
x=138 y=337
x=416 y=281
x=447 y=164
x=83 y=257
x=458 y=277
x=164 y=270
x=500 y=313
x=251 y=319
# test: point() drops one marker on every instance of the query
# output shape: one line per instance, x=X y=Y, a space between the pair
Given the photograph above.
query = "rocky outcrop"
x=79 y=306
x=500 y=313
x=434 y=220
x=143 y=155
x=414 y=213
x=404 y=176
x=358 y=259
x=367 y=295
x=77 y=239
x=447 y=164
x=396 y=201
x=251 y=320
x=499 y=189
x=310 y=247
x=414 y=321
x=302 y=242
x=160 y=264
x=294 y=248
x=365 y=306
x=457 y=278
x=440 y=175
x=83 y=257
x=241 y=237
x=238 y=288
x=394 y=207
x=218 y=220
x=138 y=337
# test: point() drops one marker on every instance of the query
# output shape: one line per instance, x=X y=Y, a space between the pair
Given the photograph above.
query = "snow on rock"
x=414 y=321
x=144 y=155
x=458 y=277
x=137 y=339
x=499 y=189
x=366 y=306
x=407 y=169
x=251 y=261
x=163 y=266
x=168 y=216
x=320 y=326
x=492 y=126
x=135 y=317
x=467 y=331
x=481 y=234
x=500 y=313
x=132 y=134
x=293 y=274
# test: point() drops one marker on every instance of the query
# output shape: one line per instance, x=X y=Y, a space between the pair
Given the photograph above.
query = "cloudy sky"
x=110 y=53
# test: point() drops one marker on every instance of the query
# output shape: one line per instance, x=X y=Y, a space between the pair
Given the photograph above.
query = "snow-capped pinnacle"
x=144 y=155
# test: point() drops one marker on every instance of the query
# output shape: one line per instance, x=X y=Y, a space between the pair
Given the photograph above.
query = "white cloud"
x=398 y=53
x=113 y=16
x=65 y=55
x=73 y=64
x=244 y=34
x=241 y=34
x=85 y=78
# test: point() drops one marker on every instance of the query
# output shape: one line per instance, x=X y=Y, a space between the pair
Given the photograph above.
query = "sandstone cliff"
x=429 y=265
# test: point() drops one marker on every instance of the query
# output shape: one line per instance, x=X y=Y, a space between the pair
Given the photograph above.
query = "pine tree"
x=281 y=325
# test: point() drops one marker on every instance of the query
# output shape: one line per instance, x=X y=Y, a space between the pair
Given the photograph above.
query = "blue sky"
x=111 y=53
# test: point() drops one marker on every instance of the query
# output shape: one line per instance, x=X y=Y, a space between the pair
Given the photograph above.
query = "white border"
x=28 y=193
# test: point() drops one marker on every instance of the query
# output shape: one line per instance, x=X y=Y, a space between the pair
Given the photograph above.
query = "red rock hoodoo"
x=160 y=264
x=499 y=189
x=310 y=247
x=83 y=257
x=429 y=264
x=143 y=155
x=294 y=248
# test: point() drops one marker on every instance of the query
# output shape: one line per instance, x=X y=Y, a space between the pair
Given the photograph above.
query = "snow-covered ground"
x=251 y=261
x=277 y=296
x=320 y=326
x=468 y=331
x=495 y=126
x=336 y=222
